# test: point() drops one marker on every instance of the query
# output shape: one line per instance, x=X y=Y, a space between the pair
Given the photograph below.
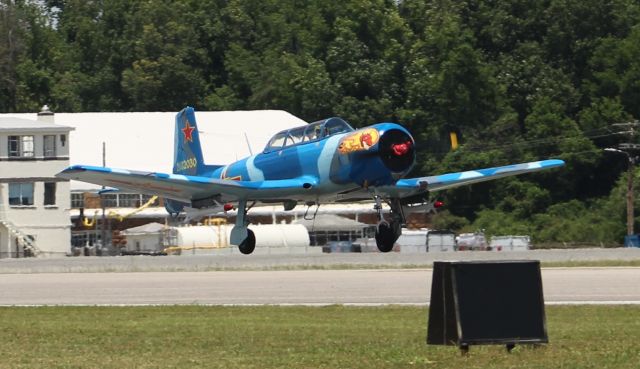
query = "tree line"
x=516 y=80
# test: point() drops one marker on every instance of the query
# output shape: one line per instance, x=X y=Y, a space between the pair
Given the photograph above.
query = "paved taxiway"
x=213 y=262
x=307 y=287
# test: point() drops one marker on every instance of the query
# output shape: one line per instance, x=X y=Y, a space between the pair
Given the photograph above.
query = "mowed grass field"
x=296 y=337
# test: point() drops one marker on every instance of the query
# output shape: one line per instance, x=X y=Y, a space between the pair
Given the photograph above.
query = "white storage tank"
x=217 y=236
x=441 y=241
x=280 y=235
x=510 y=243
x=413 y=241
x=202 y=236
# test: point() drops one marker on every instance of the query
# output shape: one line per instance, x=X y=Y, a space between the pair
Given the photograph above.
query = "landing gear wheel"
x=249 y=244
x=385 y=237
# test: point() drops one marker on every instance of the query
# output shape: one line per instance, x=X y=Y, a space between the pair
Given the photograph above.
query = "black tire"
x=249 y=244
x=385 y=237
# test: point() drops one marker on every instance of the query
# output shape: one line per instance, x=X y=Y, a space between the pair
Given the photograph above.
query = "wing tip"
x=549 y=163
x=65 y=173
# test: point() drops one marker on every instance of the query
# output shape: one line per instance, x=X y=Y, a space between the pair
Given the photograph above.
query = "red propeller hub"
x=400 y=149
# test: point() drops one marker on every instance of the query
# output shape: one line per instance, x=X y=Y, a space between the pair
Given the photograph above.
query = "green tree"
x=162 y=74
x=501 y=27
x=616 y=71
x=94 y=49
x=575 y=27
x=11 y=47
x=26 y=50
x=450 y=87
x=527 y=77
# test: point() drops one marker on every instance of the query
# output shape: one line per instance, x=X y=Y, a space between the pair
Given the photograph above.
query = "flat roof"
x=18 y=125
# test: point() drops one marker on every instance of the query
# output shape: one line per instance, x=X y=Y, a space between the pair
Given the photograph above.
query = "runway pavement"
x=296 y=287
x=220 y=262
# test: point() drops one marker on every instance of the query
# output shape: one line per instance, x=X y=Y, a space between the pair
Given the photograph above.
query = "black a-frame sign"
x=486 y=302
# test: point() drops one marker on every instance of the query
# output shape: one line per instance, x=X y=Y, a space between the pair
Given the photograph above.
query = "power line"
x=529 y=143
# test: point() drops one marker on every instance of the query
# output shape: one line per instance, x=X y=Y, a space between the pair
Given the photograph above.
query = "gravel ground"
x=293 y=261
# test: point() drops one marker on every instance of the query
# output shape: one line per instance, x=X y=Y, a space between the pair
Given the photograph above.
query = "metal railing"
x=27 y=242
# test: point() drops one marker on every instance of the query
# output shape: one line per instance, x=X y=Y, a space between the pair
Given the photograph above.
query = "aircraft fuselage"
x=373 y=156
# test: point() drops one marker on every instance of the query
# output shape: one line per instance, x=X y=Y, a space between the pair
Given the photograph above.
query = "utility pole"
x=630 y=215
x=103 y=230
x=630 y=149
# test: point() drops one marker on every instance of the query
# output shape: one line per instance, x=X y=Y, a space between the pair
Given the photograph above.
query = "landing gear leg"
x=240 y=234
x=388 y=233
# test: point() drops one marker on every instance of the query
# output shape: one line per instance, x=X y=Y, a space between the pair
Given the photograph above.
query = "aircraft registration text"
x=186 y=164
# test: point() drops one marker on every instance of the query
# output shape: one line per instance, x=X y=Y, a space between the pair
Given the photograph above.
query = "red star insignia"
x=188 y=132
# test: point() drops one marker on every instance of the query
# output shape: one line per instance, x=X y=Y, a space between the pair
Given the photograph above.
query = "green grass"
x=544 y=264
x=591 y=263
x=296 y=337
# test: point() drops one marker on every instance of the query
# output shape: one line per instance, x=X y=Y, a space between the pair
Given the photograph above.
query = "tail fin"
x=188 y=151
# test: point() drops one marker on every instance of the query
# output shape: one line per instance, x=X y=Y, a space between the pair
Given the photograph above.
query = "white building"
x=146 y=238
x=34 y=205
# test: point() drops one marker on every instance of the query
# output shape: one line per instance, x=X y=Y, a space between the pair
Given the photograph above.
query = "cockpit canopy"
x=311 y=132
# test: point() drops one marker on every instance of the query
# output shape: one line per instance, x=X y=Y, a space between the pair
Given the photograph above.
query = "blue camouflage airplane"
x=322 y=162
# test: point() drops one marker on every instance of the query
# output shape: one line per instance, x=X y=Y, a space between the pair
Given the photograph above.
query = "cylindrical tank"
x=202 y=236
x=272 y=235
x=280 y=235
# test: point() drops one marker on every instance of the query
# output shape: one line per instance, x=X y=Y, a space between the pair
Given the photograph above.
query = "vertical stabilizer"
x=188 y=151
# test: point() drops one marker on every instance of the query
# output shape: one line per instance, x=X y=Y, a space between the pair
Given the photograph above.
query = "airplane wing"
x=185 y=187
x=412 y=186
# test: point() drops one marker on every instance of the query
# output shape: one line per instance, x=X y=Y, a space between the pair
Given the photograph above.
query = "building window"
x=49 y=193
x=49 y=146
x=21 y=146
x=14 y=146
x=113 y=200
x=77 y=200
x=109 y=200
x=20 y=194
x=84 y=238
x=128 y=200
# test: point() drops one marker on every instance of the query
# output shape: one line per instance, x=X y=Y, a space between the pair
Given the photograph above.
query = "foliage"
x=515 y=80
x=600 y=220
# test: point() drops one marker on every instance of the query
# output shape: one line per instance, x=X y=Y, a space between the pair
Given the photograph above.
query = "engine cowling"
x=374 y=156
x=397 y=150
